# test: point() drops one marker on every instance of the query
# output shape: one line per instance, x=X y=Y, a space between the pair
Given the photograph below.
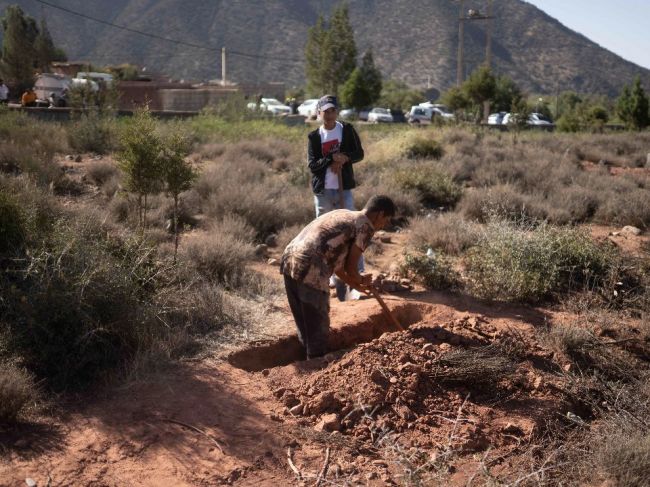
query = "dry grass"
x=448 y=232
x=17 y=392
x=102 y=171
x=476 y=367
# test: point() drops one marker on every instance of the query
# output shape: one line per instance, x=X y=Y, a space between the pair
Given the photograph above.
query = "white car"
x=439 y=110
x=308 y=108
x=496 y=118
x=271 y=105
x=535 y=119
x=378 y=115
x=420 y=115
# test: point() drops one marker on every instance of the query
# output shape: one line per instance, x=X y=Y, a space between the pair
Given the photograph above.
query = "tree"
x=371 y=76
x=398 y=95
x=456 y=99
x=363 y=87
x=139 y=159
x=18 y=54
x=479 y=88
x=331 y=53
x=44 y=50
x=633 y=106
x=178 y=175
x=505 y=92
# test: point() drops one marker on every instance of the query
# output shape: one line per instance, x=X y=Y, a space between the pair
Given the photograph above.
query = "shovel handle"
x=387 y=311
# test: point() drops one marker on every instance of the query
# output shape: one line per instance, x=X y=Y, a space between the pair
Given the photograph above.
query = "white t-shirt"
x=331 y=143
x=4 y=92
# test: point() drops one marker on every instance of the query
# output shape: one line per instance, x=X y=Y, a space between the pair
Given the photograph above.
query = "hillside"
x=412 y=40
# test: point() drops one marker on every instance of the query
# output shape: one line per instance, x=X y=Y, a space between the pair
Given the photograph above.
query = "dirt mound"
x=441 y=389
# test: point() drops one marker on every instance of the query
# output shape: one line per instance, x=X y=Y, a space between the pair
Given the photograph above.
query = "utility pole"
x=488 y=54
x=223 y=66
x=461 y=40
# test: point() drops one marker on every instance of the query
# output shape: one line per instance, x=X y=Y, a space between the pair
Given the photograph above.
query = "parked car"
x=534 y=119
x=354 y=114
x=420 y=115
x=439 y=110
x=378 y=115
x=398 y=115
x=496 y=118
x=308 y=108
x=271 y=105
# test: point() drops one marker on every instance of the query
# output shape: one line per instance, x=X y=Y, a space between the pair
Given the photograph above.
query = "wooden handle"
x=387 y=312
x=341 y=198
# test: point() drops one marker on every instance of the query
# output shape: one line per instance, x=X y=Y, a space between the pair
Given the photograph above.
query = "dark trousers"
x=311 y=311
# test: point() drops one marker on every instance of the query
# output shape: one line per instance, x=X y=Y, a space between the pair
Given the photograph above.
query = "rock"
x=567 y=367
x=328 y=422
x=273 y=262
x=410 y=367
x=77 y=158
x=69 y=158
x=404 y=412
x=429 y=347
x=261 y=250
x=630 y=230
x=380 y=463
x=393 y=380
x=297 y=410
x=325 y=401
x=30 y=482
x=271 y=240
x=290 y=400
x=377 y=377
x=279 y=392
x=537 y=383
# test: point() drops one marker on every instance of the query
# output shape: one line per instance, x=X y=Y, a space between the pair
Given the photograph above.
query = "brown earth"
x=385 y=404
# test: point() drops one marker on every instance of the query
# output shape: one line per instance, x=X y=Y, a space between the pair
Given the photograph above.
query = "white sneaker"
x=354 y=295
x=332 y=282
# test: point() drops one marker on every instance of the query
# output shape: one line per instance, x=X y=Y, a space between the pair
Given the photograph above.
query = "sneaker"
x=354 y=295
x=332 y=282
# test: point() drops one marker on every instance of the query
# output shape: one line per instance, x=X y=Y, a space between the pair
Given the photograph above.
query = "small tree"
x=178 y=175
x=139 y=159
x=363 y=87
x=330 y=53
x=505 y=92
x=479 y=88
x=633 y=106
x=399 y=96
x=18 y=55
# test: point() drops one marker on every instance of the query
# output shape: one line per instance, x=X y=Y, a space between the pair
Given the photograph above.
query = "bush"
x=217 y=256
x=93 y=132
x=511 y=263
x=434 y=186
x=80 y=304
x=422 y=148
x=101 y=172
x=12 y=223
x=502 y=201
x=17 y=392
x=625 y=456
x=435 y=270
x=448 y=232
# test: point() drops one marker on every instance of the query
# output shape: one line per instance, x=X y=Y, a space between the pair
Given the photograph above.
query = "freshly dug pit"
x=287 y=350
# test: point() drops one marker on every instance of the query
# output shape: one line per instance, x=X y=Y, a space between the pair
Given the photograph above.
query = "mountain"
x=413 y=40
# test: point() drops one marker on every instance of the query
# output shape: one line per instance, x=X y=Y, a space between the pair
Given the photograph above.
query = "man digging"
x=331 y=244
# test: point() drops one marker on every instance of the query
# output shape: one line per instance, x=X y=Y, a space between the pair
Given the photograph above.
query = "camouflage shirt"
x=322 y=247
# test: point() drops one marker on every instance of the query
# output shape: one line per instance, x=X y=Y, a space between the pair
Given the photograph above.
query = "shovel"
x=387 y=312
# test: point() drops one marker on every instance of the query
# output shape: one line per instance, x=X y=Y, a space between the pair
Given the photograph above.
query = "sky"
x=622 y=26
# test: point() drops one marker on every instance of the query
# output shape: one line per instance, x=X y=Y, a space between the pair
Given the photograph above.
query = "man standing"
x=332 y=150
x=332 y=243
x=4 y=93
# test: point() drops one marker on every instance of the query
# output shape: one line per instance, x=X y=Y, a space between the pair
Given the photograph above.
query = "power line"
x=167 y=39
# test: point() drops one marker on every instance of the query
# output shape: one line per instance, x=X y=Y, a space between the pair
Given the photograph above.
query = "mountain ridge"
x=414 y=41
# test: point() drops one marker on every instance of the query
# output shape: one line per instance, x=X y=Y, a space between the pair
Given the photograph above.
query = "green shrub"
x=422 y=148
x=81 y=304
x=435 y=270
x=17 y=392
x=12 y=223
x=511 y=263
x=434 y=186
x=93 y=132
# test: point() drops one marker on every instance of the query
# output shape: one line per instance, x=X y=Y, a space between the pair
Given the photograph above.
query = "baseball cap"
x=327 y=101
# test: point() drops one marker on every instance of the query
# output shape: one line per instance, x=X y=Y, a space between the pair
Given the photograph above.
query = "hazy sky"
x=622 y=26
